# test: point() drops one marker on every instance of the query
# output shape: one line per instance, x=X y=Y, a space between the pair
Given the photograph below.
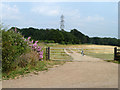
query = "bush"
x=13 y=45
x=49 y=41
x=28 y=58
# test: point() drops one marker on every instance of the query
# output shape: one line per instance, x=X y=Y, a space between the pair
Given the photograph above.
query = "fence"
x=58 y=53
x=116 y=54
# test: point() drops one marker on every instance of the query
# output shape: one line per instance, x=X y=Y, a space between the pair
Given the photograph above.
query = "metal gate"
x=116 y=53
x=57 y=53
x=63 y=53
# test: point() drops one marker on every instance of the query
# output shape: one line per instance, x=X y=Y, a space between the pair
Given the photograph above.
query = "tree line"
x=64 y=37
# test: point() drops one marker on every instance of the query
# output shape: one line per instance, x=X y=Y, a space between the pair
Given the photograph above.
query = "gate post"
x=115 y=53
x=48 y=53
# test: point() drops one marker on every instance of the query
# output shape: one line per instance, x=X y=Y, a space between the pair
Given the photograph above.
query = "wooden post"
x=48 y=53
x=115 y=53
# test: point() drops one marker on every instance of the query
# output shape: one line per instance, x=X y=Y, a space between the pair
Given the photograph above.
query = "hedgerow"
x=13 y=46
x=18 y=51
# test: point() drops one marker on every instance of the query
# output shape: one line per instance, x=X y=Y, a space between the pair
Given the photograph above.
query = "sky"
x=91 y=18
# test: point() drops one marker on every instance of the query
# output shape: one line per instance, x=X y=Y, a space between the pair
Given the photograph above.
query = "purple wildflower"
x=38 y=49
x=34 y=45
x=36 y=42
x=32 y=41
x=29 y=38
x=15 y=29
x=41 y=53
x=40 y=56
x=30 y=45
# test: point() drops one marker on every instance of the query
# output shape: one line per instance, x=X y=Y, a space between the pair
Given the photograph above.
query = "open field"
x=59 y=54
x=104 y=52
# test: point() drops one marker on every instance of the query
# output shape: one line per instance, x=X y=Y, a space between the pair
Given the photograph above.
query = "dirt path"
x=79 y=57
x=85 y=72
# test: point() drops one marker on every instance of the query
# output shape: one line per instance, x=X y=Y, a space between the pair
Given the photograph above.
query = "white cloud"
x=94 y=18
x=73 y=16
x=10 y=12
x=46 y=10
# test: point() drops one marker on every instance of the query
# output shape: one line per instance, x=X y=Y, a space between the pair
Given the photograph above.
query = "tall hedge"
x=13 y=46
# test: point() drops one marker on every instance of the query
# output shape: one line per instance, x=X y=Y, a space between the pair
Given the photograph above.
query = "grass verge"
x=114 y=61
x=105 y=57
x=101 y=56
x=21 y=72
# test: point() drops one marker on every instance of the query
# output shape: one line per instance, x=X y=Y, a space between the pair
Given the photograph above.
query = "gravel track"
x=83 y=72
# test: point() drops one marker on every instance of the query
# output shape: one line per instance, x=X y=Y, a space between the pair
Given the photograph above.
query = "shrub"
x=28 y=58
x=13 y=46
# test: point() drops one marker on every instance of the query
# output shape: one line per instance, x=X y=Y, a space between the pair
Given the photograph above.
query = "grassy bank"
x=118 y=62
x=101 y=56
x=21 y=72
x=31 y=56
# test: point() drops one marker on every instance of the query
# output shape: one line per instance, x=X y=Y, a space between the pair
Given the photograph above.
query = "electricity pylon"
x=62 y=23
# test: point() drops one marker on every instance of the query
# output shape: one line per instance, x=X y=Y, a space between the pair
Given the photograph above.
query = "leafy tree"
x=64 y=37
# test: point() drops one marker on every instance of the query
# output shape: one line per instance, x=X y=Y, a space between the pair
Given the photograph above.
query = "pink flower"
x=32 y=41
x=38 y=49
x=34 y=45
x=41 y=56
x=41 y=53
x=36 y=41
x=30 y=45
x=15 y=29
x=29 y=38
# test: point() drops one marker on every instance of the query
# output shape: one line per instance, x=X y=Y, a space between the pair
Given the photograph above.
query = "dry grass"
x=99 y=51
x=59 y=54
x=28 y=58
